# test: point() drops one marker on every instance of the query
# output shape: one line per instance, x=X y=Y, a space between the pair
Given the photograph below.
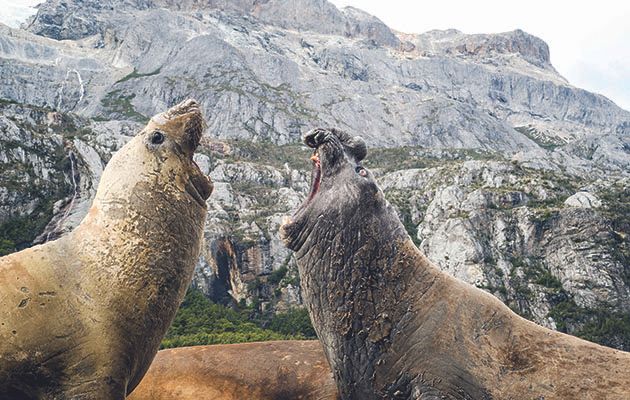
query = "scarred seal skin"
x=292 y=370
x=82 y=317
x=394 y=326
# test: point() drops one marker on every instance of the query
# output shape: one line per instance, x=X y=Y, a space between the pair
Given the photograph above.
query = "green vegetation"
x=535 y=272
x=565 y=312
x=135 y=74
x=616 y=200
x=541 y=139
x=392 y=159
x=293 y=322
x=18 y=233
x=21 y=180
x=200 y=322
x=6 y=247
x=408 y=157
x=276 y=276
x=608 y=328
x=401 y=199
x=603 y=326
x=267 y=153
x=7 y=101
x=117 y=103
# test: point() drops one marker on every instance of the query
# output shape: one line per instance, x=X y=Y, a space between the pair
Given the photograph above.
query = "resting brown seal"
x=279 y=370
x=394 y=326
x=82 y=317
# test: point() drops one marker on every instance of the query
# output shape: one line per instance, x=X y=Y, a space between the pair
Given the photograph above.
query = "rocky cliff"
x=506 y=175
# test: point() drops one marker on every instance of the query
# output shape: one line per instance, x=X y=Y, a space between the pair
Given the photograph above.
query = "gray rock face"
x=506 y=175
x=481 y=46
x=583 y=200
x=510 y=232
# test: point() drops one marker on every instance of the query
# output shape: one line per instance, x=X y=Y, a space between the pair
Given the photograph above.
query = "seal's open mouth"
x=316 y=176
x=198 y=186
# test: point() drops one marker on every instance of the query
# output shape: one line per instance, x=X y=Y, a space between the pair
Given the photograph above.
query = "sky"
x=589 y=41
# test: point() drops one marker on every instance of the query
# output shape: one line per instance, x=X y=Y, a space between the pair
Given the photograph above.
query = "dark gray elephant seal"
x=82 y=317
x=394 y=326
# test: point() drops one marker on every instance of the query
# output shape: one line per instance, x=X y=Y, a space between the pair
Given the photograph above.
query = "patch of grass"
x=18 y=233
x=603 y=326
x=200 y=321
x=265 y=152
x=539 y=138
x=392 y=159
x=609 y=328
x=535 y=272
x=616 y=208
x=7 y=101
x=135 y=74
x=565 y=312
x=7 y=247
x=117 y=103
x=276 y=276
x=546 y=279
x=400 y=199
x=412 y=157
x=293 y=322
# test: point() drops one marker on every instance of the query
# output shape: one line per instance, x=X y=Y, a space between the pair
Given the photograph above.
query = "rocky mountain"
x=506 y=175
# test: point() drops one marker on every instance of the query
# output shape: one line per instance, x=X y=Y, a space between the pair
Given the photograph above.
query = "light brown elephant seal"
x=278 y=370
x=82 y=317
x=394 y=326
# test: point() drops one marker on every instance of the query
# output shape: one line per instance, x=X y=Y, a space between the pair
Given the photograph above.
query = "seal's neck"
x=358 y=283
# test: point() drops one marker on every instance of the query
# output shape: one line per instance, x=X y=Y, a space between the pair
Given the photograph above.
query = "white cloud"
x=589 y=41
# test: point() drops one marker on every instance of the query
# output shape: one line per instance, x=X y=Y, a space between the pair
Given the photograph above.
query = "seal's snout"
x=315 y=137
x=353 y=145
x=190 y=112
x=185 y=107
x=194 y=128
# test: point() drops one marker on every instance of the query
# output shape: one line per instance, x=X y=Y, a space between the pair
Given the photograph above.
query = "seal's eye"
x=361 y=171
x=157 y=137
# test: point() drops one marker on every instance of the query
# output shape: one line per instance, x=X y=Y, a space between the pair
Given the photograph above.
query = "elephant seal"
x=83 y=316
x=394 y=326
x=278 y=370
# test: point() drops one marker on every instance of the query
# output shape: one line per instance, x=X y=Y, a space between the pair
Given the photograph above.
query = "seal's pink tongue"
x=316 y=176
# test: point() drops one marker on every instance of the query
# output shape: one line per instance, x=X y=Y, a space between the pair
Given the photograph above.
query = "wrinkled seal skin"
x=291 y=370
x=82 y=317
x=394 y=326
